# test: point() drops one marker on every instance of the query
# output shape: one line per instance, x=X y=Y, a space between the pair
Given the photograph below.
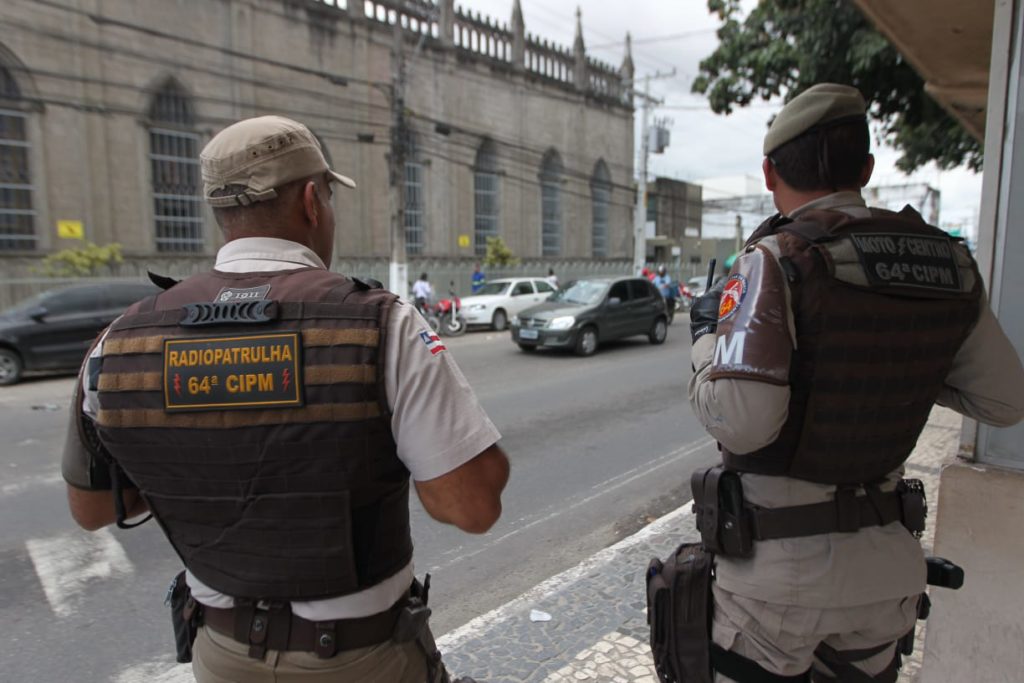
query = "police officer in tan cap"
x=817 y=362
x=269 y=414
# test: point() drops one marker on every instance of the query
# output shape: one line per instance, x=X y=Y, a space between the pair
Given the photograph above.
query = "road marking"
x=603 y=488
x=66 y=564
x=161 y=670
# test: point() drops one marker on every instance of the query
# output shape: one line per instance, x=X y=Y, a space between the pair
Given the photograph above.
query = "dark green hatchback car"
x=591 y=311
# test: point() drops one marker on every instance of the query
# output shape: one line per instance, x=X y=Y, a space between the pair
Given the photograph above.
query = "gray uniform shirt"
x=436 y=420
x=839 y=569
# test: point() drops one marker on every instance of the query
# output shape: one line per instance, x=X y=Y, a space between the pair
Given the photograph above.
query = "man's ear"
x=311 y=203
x=771 y=178
x=869 y=168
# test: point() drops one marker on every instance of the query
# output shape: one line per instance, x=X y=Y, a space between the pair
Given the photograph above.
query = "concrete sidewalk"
x=597 y=630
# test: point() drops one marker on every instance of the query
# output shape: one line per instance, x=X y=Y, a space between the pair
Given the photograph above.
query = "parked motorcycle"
x=445 y=316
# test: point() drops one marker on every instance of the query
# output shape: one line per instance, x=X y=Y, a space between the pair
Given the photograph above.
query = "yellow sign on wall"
x=70 y=230
x=463 y=241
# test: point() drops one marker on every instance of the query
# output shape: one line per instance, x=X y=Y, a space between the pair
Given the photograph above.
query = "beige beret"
x=818 y=105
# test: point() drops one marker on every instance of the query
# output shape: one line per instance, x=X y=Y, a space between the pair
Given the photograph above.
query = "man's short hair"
x=825 y=159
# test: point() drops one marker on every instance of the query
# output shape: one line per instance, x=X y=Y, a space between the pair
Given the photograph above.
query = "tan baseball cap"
x=817 y=107
x=261 y=154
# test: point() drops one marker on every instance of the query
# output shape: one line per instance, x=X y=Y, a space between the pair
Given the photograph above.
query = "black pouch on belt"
x=679 y=607
x=722 y=519
x=184 y=617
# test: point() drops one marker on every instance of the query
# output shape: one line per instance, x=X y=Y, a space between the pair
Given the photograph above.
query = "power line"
x=656 y=39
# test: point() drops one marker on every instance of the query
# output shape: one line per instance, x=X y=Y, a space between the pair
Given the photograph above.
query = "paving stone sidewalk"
x=598 y=630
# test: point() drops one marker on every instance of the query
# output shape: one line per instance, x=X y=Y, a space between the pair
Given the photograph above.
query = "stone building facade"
x=105 y=104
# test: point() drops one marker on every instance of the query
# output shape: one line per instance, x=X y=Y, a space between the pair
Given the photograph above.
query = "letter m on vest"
x=729 y=349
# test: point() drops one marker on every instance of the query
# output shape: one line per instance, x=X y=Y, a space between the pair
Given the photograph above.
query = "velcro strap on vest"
x=279 y=310
x=847 y=513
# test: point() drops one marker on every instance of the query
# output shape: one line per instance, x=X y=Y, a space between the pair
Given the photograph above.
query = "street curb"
x=499 y=615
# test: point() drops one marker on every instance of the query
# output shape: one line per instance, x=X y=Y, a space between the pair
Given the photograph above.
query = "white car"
x=499 y=300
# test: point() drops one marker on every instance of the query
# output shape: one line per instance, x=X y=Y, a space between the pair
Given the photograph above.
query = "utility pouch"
x=184 y=617
x=913 y=505
x=722 y=519
x=679 y=607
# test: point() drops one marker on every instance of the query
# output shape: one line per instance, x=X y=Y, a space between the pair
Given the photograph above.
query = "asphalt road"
x=599 y=447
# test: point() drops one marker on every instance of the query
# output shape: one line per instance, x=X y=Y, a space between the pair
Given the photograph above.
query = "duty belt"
x=846 y=513
x=273 y=627
x=729 y=525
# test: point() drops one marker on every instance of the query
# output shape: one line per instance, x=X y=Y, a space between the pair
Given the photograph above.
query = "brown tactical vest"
x=874 y=341
x=264 y=449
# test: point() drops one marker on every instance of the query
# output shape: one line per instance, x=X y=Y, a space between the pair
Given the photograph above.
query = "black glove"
x=704 y=311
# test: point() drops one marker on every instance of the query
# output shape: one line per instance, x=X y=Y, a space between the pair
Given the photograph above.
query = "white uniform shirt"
x=436 y=420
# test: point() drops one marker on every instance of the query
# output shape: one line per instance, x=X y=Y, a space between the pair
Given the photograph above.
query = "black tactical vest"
x=881 y=306
x=250 y=410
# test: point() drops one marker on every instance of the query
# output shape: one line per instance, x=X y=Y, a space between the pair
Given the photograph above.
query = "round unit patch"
x=732 y=296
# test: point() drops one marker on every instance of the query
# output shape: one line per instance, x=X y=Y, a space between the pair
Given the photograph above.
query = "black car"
x=53 y=330
x=591 y=311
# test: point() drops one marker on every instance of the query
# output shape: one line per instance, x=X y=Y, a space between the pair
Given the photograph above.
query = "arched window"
x=414 y=223
x=486 y=197
x=551 y=204
x=600 y=202
x=17 y=218
x=174 y=161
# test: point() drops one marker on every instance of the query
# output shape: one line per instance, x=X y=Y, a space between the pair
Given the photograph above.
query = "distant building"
x=103 y=112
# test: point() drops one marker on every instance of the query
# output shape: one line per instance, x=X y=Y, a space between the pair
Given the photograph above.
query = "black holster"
x=185 y=616
x=413 y=624
x=722 y=520
x=679 y=609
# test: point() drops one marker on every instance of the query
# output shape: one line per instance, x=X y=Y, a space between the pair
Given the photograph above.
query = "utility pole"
x=398 y=268
x=640 y=216
x=739 y=233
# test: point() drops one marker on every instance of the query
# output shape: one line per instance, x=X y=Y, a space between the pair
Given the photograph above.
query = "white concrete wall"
x=977 y=632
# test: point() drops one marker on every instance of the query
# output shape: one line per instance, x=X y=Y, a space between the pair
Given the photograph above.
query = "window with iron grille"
x=174 y=163
x=17 y=217
x=551 y=204
x=414 y=232
x=485 y=197
x=600 y=203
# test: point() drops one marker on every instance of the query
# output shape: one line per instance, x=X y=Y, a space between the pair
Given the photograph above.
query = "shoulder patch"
x=432 y=342
x=732 y=296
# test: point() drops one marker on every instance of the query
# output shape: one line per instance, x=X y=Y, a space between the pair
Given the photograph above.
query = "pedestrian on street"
x=552 y=279
x=422 y=293
x=275 y=446
x=479 y=279
x=817 y=362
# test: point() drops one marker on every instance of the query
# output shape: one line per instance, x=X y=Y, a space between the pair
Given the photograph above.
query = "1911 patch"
x=227 y=373
x=732 y=296
x=916 y=261
x=227 y=294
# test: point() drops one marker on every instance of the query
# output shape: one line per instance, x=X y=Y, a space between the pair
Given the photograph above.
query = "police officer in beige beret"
x=269 y=414
x=817 y=362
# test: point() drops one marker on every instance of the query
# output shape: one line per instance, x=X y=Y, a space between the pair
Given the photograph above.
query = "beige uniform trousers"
x=782 y=638
x=216 y=658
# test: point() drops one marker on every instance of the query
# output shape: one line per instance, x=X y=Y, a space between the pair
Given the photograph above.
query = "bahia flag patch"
x=433 y=342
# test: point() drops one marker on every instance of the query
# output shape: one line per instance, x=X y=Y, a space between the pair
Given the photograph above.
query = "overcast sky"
x=705 y=145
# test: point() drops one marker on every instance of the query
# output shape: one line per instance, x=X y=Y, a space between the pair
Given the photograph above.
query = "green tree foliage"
x=498 y=254
x=88 y=259
x=785 y=46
